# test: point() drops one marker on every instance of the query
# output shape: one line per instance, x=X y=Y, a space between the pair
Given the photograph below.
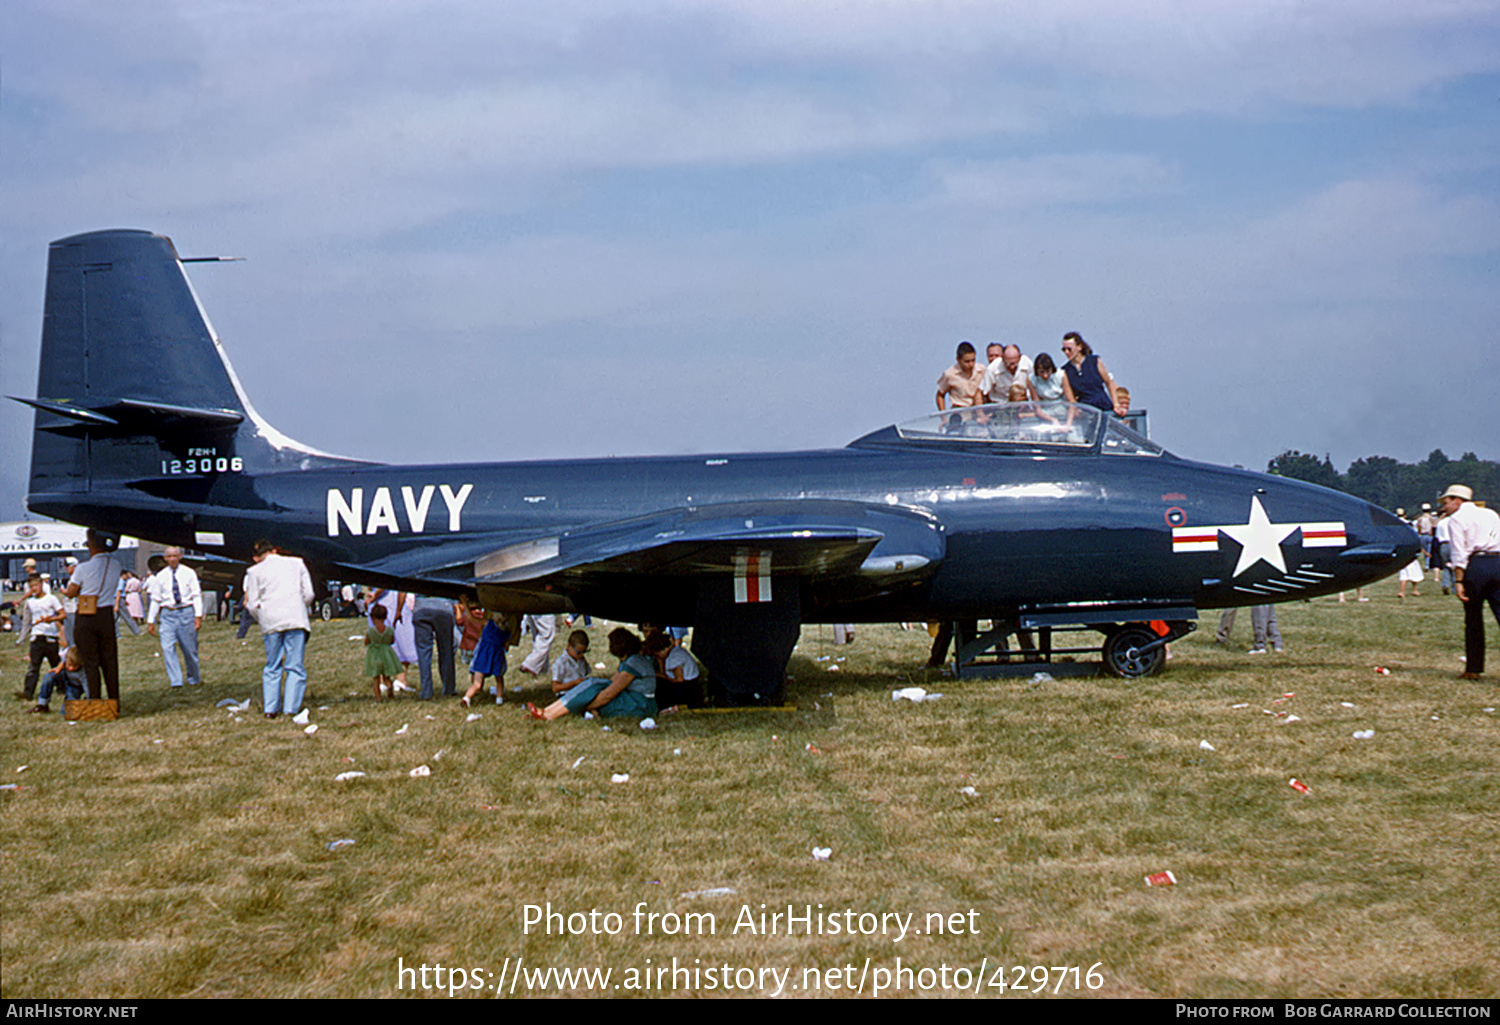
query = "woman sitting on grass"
x=630 y=692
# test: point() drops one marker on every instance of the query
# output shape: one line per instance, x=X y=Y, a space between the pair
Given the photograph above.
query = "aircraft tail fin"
x=135 y=394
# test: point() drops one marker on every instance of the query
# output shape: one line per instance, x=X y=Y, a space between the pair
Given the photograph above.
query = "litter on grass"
x=1299 y=786
x=302 y=718
x=1161 y=879
x=715 y=891
x=620 y=777
x=420 y=771
x=345 y=777
x=822 y=853
x=1204 y=745
x=310 y=729
x=1363 y=734
x=339 y=845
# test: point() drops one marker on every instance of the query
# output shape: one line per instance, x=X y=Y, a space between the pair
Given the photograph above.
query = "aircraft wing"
x=816 y=539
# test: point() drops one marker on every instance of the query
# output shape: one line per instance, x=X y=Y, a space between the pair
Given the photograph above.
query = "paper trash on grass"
x=648 y=724
x=302 y=718
x=340 y=844
x=403 y=728
x=1299 y=786
x=472 y=716
x=620 y=777
x=968 y=791
x=310 y=729
x=1161 y=879
x=1041 y=677
x=345 y=777
x=1363 y=734
x=715 y=891
x=822 y=853
x=916 y=695
x=1204 y=745
x=580 y=761
x=420 y=771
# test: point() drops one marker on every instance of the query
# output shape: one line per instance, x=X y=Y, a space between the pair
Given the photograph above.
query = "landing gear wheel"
x=1123 y=658
x=325 y=611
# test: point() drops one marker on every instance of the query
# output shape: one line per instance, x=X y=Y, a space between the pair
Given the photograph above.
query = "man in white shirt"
x=177 y=605
x=277 y=592
x=1474 y=543
x=1011 y=368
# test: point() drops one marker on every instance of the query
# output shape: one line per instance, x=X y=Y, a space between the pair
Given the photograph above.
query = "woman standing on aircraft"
x=1086 y=380
x=1045 y=382
x=630 y=692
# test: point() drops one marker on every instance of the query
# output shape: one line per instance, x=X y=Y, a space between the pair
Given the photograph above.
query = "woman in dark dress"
x=1085 y=379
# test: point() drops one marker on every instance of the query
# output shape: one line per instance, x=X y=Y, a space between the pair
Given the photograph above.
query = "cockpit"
x=1053 y=428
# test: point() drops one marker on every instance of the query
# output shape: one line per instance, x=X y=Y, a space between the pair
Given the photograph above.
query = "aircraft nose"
x=1379 y=546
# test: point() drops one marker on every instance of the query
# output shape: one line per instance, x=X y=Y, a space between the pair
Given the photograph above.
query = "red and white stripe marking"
x=752 y=577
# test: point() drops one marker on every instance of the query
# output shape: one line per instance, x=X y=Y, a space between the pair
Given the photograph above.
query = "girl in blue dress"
x=489 y=657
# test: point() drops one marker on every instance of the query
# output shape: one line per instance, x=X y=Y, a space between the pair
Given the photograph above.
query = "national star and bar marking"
x=1260 y=539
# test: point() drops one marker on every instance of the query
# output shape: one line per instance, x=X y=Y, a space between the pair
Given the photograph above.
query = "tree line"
x=1383 y=481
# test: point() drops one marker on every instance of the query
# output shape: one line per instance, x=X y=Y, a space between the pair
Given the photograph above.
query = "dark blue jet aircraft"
x=1032 y=515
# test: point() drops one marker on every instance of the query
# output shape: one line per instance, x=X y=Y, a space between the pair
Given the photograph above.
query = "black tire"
x=325 y=610
x=1122 y=659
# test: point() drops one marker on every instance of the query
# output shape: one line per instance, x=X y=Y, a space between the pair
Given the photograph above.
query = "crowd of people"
x=1008 y=376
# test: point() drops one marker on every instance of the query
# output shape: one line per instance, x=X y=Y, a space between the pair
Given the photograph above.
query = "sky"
x=551 y=228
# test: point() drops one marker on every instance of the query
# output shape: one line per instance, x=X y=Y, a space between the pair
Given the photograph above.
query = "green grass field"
x=184 y=851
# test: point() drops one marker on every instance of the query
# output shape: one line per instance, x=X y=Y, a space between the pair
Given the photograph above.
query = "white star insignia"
x=1260 y=539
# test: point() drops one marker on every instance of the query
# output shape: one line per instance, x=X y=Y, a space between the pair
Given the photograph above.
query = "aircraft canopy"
x=1054 y=426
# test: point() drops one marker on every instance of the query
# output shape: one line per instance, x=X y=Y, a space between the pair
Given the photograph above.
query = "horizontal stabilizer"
x=123 y=417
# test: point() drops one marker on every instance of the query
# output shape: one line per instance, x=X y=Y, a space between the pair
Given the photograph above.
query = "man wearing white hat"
x=1474 y=541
